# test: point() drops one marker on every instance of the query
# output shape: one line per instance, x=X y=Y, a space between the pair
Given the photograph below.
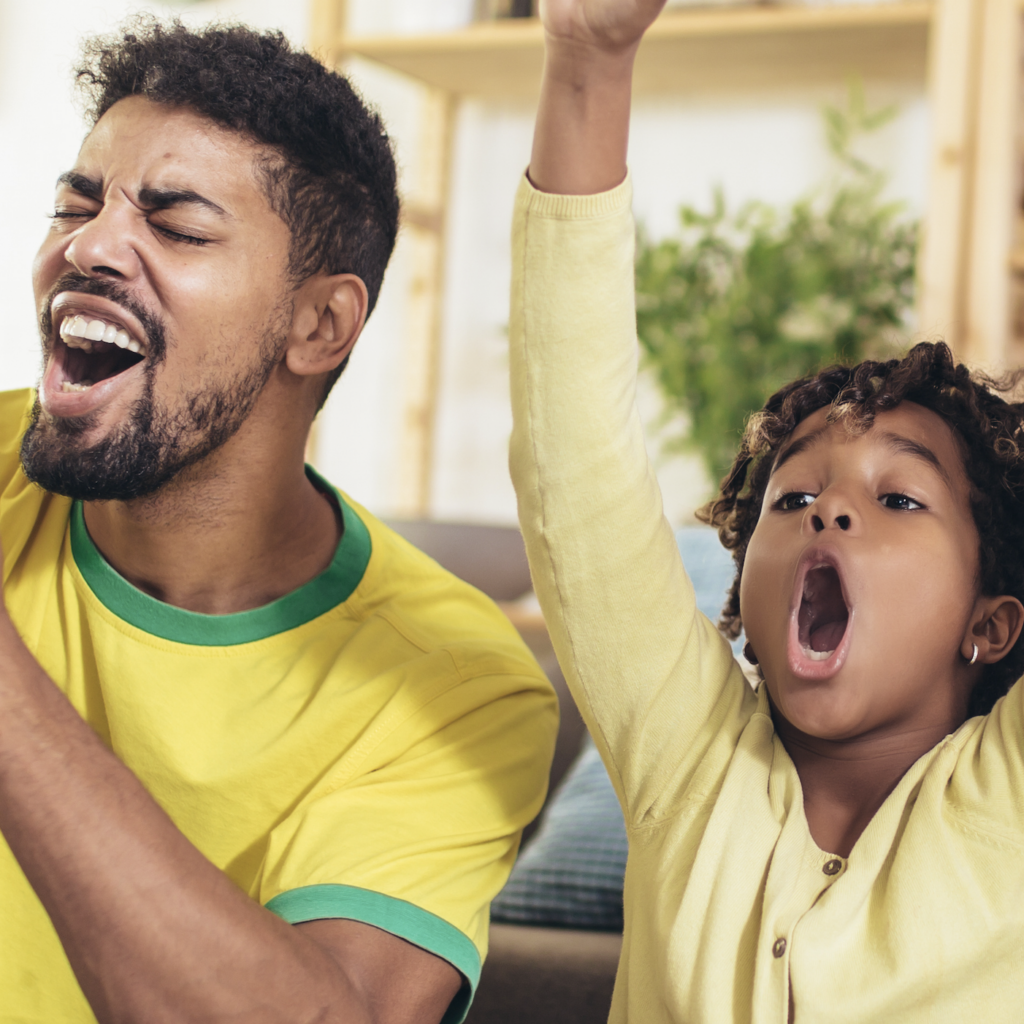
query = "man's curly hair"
x=989 y=431
x=331 y=177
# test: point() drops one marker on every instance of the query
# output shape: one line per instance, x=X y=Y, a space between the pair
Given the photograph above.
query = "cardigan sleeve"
x=656 y=683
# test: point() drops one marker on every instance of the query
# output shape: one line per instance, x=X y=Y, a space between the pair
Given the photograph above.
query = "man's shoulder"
x=431 y=608
x=15 y=490
x=15 y=413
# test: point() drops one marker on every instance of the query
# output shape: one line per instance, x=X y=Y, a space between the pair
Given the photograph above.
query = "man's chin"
x=62 y=457
x=66 y=430
x=130 y=448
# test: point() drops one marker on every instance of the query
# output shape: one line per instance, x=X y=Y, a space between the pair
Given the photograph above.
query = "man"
x=260 y=760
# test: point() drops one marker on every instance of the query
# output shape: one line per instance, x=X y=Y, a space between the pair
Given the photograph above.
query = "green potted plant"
x=737 y=304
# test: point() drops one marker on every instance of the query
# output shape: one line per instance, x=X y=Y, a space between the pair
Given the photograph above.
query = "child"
x=844 y=844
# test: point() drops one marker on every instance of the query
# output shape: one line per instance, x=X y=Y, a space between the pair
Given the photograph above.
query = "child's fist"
x=603 y=24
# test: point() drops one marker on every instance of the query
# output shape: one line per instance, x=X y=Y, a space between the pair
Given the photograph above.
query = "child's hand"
x=605 y=25
x=579 y=146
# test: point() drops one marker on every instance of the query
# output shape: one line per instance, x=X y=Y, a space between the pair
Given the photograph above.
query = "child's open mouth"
x=823 y=613
x=820 y=621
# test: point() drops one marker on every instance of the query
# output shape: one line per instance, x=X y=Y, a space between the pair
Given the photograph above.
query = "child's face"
x=861 y=577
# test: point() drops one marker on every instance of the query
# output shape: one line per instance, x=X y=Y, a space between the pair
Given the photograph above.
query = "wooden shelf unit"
x=686 y=50
x=967 y=53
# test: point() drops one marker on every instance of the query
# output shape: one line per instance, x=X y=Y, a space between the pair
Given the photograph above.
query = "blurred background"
x=811 y=180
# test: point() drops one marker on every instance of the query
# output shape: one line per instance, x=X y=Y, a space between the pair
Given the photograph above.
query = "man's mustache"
x=156 y=341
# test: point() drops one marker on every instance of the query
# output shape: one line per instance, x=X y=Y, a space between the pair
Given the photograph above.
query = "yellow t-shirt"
x=732 y=913
x=367 y=747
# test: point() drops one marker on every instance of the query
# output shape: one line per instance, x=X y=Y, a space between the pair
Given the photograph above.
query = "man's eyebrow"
x=805 y=442
x=91 y=188
x=900 y=445
x=165 y=198
x=153 y=198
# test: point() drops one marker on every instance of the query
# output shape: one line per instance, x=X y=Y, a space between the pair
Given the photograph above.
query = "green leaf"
x=737 y=304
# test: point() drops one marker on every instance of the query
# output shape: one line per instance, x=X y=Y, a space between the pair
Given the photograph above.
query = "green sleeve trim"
x=322 y=593
x=406 y=920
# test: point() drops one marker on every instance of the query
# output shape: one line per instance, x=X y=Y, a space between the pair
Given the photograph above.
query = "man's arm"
x=582 y=131
x=154 y=931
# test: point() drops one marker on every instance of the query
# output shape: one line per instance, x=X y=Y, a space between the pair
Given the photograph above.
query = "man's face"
x=165 y=254
x=861 y=576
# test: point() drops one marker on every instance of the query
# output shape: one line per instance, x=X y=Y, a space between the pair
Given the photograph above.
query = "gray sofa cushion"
x=546 y=976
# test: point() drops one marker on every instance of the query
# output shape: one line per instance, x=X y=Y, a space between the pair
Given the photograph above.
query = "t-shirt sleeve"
x=15 y=415
x=27 y=513
x=656 y=683
x=420 y=839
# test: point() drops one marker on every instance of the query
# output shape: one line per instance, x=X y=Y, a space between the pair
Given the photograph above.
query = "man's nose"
x=103 y=247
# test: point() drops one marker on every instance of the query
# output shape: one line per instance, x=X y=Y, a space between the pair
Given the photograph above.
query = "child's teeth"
x=818 y=655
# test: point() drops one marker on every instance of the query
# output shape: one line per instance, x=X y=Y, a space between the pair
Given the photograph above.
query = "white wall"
x=767 y=146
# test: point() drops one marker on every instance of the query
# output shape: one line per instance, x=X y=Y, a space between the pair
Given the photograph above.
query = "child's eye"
x=793 y=501
x=900 y=502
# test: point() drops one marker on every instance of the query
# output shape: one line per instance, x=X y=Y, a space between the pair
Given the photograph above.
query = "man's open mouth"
x=823 y=614
x=91 y=350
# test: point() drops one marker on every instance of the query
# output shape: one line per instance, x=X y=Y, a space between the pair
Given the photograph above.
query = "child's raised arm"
x=656 y=684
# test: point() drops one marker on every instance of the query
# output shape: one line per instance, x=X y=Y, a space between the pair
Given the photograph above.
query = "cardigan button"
x=833 y=867
x=779 y=948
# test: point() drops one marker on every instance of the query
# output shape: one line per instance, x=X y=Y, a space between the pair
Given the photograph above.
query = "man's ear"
x=329 y=314
x=994 y=628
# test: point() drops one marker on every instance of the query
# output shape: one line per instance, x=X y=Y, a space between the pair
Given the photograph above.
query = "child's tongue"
x=827 y=636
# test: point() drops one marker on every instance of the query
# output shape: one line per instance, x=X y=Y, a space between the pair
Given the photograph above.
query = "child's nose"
x=818 y=524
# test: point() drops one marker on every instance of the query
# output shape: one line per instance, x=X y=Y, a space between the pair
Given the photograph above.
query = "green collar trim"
x=322 y=593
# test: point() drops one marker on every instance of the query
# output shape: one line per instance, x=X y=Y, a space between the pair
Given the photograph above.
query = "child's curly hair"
x=989 y=431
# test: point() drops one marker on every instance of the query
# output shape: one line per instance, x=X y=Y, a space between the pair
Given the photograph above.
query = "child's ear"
x=994 y=628
x=329 y=314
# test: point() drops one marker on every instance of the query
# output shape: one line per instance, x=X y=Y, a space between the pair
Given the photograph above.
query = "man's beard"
x=153 y=444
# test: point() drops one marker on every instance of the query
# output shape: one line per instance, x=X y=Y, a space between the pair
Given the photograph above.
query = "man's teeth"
x=83 y=385
x=78 y=332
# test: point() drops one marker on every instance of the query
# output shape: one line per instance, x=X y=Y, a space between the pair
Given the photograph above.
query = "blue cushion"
x=570 y=874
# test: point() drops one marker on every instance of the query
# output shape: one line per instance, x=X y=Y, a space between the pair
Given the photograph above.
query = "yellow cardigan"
x=732 y=913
